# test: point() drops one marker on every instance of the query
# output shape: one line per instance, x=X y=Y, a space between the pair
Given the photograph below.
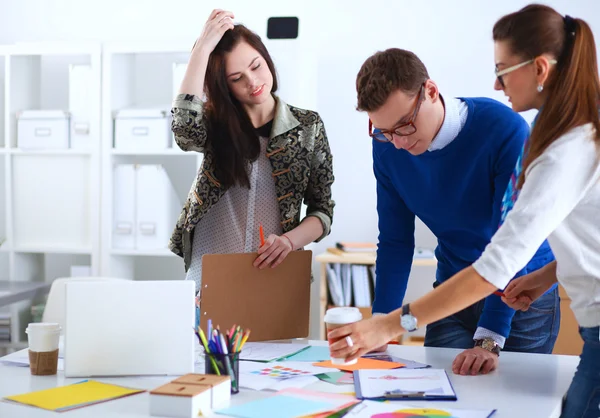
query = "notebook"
x=403 y=384
x=78 y=395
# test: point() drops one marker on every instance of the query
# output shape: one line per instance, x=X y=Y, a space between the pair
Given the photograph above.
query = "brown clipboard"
x=274 y=303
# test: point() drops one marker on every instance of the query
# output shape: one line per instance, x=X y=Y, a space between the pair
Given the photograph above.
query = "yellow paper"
x=85 y=393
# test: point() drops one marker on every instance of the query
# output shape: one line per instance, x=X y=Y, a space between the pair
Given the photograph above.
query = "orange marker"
x=498 y=293
x=262 y=235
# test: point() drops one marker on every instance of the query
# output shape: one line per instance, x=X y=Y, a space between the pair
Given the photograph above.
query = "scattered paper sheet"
x=295 y=382
x=362 y=363
x=312 y=354
x=260 y=376
x=291 y=403
x=270 y=351
x=374 y=409
x=409 y=364
x=337 y=378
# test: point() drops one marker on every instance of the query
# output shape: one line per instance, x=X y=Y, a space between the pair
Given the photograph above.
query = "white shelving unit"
x=57 y=205
x=141 y=76
x=50 y=215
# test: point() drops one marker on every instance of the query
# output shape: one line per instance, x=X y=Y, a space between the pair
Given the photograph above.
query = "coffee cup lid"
x=342 y=315
x=43 y=327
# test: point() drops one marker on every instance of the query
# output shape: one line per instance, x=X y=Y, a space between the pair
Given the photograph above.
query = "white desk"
x=13 y=291
x=526 y=385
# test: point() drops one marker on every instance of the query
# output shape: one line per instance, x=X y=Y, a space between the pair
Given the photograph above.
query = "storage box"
x=142 y=130
x=190 y=395
x=43 y=129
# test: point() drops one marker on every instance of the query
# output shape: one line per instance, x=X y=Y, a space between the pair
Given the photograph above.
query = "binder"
x=157 y=207
x=123 y=231
x=145 y=205
x=404 y=384
x=273 y=303
x=335 y=286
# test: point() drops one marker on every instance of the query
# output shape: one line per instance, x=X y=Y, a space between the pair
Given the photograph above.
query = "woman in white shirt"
x=542 y=60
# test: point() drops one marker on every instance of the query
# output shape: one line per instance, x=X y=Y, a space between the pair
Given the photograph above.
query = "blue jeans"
x=532 y=331
x=583 y=396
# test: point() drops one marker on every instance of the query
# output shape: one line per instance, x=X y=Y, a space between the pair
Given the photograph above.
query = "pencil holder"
x=225 y=365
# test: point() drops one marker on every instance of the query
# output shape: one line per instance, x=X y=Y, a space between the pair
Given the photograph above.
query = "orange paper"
x=362 y=363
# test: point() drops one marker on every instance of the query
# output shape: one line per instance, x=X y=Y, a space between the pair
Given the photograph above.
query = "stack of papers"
x=78 y=395
x=21 y=359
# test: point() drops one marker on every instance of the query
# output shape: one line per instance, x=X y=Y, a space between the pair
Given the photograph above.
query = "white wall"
x=452 y=38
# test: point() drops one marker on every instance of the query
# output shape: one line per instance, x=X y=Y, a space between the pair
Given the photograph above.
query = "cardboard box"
x=221 y=386
x=190 y=395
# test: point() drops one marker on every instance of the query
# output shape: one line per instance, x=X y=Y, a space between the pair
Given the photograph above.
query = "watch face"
x=488 y=345
x=408 y=322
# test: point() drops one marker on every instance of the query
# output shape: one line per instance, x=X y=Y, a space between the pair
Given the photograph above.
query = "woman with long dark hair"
x=262 y=157
x=544 y=61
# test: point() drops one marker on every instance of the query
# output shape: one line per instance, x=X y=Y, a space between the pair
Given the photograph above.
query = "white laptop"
x=125 y=328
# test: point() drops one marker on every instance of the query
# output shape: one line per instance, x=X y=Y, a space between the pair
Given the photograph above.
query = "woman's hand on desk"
x=522 y=292
x=273 y=252
x=366 y=336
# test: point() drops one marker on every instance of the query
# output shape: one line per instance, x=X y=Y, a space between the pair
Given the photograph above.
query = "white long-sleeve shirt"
x=560 y=200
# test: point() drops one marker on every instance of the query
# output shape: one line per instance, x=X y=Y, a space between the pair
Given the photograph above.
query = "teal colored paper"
x=280 y=406
x=312 y=354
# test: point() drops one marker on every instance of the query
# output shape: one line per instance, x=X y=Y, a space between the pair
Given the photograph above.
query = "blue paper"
x=312 y=354
x=280 y=406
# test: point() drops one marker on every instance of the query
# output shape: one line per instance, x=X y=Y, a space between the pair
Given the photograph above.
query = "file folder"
x=274 y=303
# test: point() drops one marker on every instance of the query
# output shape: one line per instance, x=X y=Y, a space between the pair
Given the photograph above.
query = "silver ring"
x=349 y=342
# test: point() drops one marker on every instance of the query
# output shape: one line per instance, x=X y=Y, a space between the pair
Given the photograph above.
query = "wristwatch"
x=407 y=320
x=489 y=345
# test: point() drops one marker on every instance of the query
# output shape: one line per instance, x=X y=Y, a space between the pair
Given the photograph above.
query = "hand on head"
x=219 y=22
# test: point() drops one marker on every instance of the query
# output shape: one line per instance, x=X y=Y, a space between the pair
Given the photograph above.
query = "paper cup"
x=337 y=317
x=43 y=347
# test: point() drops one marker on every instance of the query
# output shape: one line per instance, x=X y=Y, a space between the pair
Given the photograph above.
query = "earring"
x=540 y=88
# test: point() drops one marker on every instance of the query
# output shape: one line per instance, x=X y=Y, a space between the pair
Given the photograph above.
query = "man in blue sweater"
x=447 y=161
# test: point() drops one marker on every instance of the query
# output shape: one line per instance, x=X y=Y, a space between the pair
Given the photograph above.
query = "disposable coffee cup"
x=337 y=317
x=43 y=347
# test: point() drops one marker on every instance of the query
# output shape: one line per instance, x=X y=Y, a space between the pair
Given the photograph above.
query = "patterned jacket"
x=299 y=154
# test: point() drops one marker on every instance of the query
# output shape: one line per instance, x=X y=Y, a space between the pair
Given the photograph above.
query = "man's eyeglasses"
x=500 y=73
x=404 y=129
